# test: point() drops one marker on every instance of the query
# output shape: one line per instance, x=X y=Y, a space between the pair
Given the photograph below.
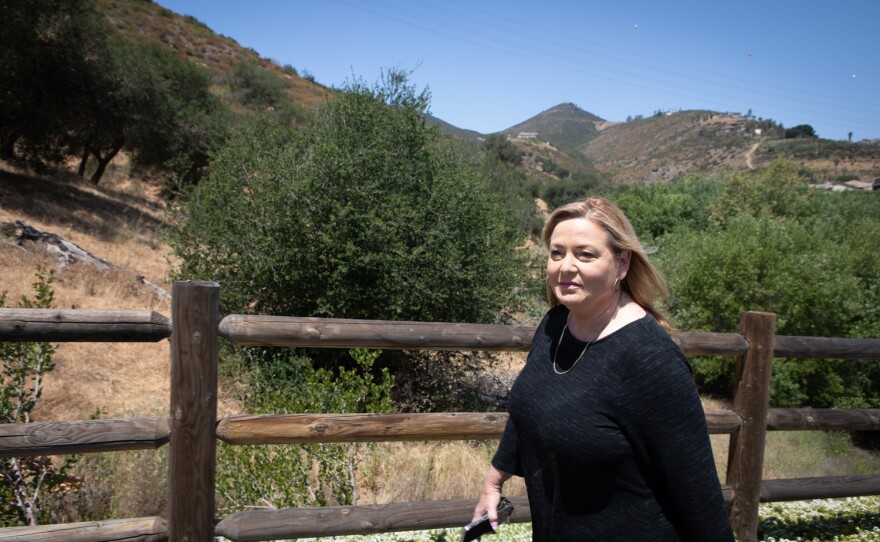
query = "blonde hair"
x=642 y=282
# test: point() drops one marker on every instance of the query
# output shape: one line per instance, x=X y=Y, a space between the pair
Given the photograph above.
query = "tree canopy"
x=366 y=212
x=800 y=131
x=72 y=86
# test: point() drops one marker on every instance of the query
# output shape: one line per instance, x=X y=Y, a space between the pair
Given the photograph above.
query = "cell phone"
x=481 y=526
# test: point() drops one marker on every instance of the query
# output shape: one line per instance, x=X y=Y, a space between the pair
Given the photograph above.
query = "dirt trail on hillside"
x=750 y=155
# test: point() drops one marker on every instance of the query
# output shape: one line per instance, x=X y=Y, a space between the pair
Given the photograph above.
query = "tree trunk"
x=82 y=163
x=104 y=161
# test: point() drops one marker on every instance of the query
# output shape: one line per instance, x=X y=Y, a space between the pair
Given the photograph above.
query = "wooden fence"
x=192 y=428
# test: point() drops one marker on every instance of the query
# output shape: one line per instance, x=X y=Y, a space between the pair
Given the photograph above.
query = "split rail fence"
x=192 y=429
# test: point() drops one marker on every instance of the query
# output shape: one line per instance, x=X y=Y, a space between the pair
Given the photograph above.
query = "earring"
x=617 y=284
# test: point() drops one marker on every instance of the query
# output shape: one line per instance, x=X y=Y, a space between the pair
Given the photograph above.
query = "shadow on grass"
x=57 y=202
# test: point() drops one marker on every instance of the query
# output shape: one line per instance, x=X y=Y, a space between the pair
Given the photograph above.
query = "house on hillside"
x=527 y=135
x=733 y=126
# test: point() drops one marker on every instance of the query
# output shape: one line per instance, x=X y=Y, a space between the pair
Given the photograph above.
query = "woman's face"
x=581 y=268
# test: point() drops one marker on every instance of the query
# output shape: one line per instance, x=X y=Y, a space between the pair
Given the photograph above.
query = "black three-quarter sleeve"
x=507 y=455
x=663 y=419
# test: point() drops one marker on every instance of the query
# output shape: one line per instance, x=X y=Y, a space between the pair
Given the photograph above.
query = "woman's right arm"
x=491 y=495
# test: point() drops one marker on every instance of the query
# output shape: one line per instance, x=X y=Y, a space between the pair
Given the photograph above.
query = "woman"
x=606 y=425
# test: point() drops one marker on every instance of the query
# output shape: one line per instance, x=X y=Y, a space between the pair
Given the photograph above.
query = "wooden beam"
x=79 y=325
x=723 y=422
x=152 y=529
x=82 y=436
x=711 y=344
x=384 y=334
x=824 y=419
x=388 y=335
x=323 y=428
x=354 y=520
x=313 y=428
x=826 y=347
x=828 y=487
x=192 y=456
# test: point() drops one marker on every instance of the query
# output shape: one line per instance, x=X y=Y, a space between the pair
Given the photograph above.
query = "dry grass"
x=800 y=454
x=120 y=226
x=401 y=472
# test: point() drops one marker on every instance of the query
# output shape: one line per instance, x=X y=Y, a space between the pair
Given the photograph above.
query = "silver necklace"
x=584 y=351
x=556 y=352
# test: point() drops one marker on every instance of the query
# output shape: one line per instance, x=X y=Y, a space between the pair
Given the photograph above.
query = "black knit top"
x=617 y=449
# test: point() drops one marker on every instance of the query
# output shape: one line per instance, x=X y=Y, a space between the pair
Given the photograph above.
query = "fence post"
x=195 y=317
x=751 y=399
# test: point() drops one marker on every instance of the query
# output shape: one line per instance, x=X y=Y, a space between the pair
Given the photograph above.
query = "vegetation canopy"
x=767 y=242
x=364 y=213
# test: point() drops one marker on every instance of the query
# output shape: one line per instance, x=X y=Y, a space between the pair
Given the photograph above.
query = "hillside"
x=565 y=126
x=470 y=136
x=566 y=137
x=667 y=147
x=670 y=146
x=193 y=40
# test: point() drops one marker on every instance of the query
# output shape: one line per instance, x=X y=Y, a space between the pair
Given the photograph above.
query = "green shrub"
x=763 y=242
x=257 y=87
x=364 y=213
x=277 y=476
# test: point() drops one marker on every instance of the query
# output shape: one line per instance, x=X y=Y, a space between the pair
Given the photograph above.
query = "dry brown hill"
x=666 y=147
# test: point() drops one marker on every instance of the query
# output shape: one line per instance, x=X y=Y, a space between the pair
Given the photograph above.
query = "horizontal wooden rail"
x=823 y=419
x=384 y=334
x=694 y=343
x=722 y=422
x=79 y=325
x=152 y=529
x=353 y=520
x=828 y=487
x=315 y=428
x=826 y=347
x=73 y=437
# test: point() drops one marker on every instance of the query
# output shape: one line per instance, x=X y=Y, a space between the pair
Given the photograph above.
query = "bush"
x=772 y=246
x=281 y=476
x=571 y=188
x=256 y=87
x=362 y=214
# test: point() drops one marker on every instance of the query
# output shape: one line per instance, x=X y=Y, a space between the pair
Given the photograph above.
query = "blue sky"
x=491 y=64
